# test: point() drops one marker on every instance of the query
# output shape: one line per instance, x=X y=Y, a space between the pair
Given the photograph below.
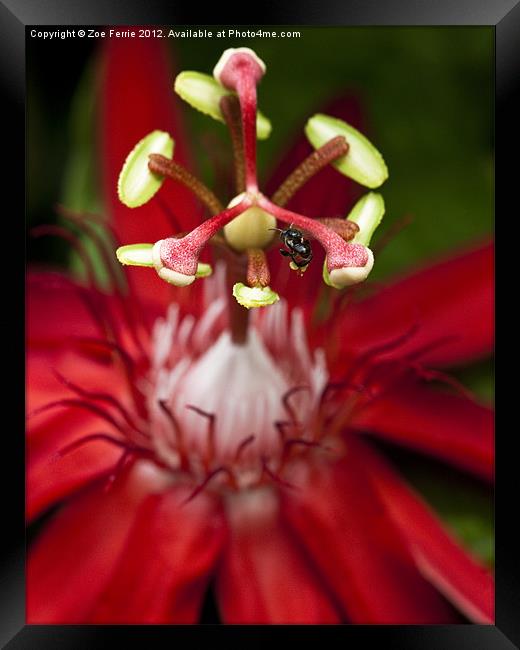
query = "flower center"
x=215 y=404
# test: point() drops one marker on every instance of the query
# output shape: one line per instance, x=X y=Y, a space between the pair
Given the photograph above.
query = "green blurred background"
x=427 y=94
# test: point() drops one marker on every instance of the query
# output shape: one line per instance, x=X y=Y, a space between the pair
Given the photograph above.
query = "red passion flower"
x=188 y=433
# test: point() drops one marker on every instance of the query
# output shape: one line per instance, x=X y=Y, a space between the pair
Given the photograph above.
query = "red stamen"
x=181 y=255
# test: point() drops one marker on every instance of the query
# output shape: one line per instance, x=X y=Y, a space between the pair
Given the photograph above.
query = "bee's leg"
x=284 y=252
x=301 y=262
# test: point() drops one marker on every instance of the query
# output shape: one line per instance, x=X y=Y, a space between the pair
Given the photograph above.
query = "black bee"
x=296 y=246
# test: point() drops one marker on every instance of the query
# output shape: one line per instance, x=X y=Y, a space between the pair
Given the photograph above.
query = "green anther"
x=254 y=296
x=137 y=184
x=363 y=162
x=367 y=213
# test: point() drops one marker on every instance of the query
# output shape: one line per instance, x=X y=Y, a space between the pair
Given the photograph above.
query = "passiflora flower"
x=218 y=433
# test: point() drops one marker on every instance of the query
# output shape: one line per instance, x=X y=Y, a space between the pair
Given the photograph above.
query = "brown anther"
x=166 y=167
x=257 y=268
x=316 y=161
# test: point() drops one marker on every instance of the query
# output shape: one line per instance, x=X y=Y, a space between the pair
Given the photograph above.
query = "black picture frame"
x=15 y=15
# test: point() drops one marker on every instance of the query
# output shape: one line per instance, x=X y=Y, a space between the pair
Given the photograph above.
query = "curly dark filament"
x=316 y=161
x=96 y=437
x=281 y=426
x=399 y=368
x=103 y=397
x=110 y=266
x=436 y=375
x=82 y=404
x=376 y=350
x=118 y=468
x=127 y=360
x=166 y=167
x=207 y=480
x=77 y=244
x=275 y=477
x=128 y=366
x=291 y=443
x=240 y=448
x=210 y=452
x=170 y=214
x=177 y=429
x=391 y=233
x=287 y=404
x=82 y=221
x=415 y=355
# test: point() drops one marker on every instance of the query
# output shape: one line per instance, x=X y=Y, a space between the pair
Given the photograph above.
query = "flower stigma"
x=248 y=224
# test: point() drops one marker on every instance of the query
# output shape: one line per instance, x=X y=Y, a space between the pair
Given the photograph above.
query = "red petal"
x=359 y=550
x=165 y=565
x=447 y=426
x=264 y=576
x=72 y=561
x=51 y=477
x=57 y=318
x=136 y=98
x=451 y=303
x=56 y=315
x=55 y=311
x=440 y=558
x=328 y=194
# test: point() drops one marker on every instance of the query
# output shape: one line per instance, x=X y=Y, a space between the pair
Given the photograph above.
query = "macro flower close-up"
x=216 y=385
